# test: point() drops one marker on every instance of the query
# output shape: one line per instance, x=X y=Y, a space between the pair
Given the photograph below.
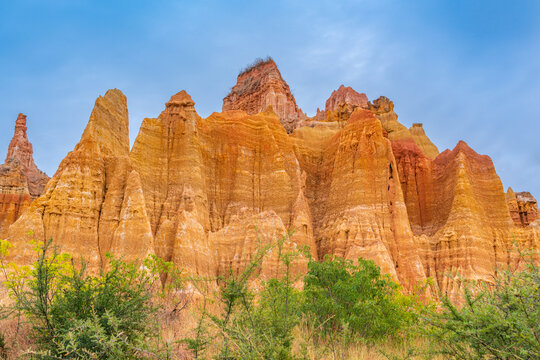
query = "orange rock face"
x=14 y=194
x=261 y=85
x=20 y=179
x=94 y=203
x=420 y=138
x=341 y=104
x=523 y=207
x=346 y=95
x=458 y=211
x=356 y=198
x=383 y=108
x=207 y=193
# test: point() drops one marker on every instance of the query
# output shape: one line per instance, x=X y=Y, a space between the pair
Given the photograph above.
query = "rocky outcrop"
x=415 y=175
x=528 y=207
x=206 y=194
x=254 y=178
x=20 y=179
x=420 y=138
x=14 y=194
x=20 y=148
x=261 y=85
x=356 y=198
x=383 y=108
x=168 y=156
x=94 y=203
x=341 y=104
x=523 y=207
x=345 y=96
x=459 y=213
x=214 y=186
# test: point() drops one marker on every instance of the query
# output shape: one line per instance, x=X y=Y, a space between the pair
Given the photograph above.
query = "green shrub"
x=249 y=325
x=346 y=302
x=497 y=321
x=77 y=316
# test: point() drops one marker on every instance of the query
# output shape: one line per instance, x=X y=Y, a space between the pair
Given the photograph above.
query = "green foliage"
x=497 y=321
x=345 y=302
x=3 y=347
x=77 y=316
x=250 y=326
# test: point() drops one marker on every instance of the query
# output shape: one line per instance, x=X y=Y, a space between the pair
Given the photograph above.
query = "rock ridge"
x=204 y=193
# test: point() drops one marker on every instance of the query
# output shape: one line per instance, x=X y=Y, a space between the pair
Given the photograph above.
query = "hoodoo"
x=261 y=85
x=206 y=193
x=20 y=179
x=94 y=203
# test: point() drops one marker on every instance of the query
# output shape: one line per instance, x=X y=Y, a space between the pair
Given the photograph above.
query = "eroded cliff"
x=20 y=179
x=207 y=193
x=260 y=85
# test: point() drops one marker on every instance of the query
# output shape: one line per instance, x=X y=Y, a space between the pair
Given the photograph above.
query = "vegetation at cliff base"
x=336 y=308
x=73 y=315
x=499 y=320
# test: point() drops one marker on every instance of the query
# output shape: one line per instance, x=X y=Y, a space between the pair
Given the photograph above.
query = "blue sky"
x=469 y=70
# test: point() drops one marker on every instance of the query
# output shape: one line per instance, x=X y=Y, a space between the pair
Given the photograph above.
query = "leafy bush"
x=497 y=321
x=78 y=316
x=251 y=326
x=345 y=302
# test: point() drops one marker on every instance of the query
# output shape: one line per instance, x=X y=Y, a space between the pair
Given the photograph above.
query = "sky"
x=467 y=69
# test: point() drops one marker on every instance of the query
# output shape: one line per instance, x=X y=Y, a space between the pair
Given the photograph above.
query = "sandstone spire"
x=205 y=193
x=346 y=95
x=20 y=149
x=261 y=85
x=383 y=108
x=20 y=179
x=341 y=104
x=94 y=202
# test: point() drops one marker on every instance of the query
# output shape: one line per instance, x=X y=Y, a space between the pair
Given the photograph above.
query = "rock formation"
x=458 y=211
x=94 y=203
x=523 y=207
x=14 y=194
x=261 y=85
x=383 y=108
x=341 y=104
x=345 y=96
x=420 y=138
x=356 y=198
x=210 y=183
x=20 y=179
x=168 y=157
x=20 y=148
x=207 y=193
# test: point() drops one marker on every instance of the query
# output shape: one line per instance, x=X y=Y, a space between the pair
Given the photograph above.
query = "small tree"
x=346 y=302
x=77 y=316
x=249 y=325
x=497 y=321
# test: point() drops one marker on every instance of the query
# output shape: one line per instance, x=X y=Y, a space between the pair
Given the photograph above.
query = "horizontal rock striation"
x=261 y=85
x=207 y=193
x=20 y=179
x=94 y=203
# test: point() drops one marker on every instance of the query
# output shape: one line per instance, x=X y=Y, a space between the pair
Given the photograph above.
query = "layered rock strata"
x=341 y=104
x=20 y=179
x=261 y=85
x=206 y=194
x=383 y=108
x=523 y=207
x=356 y=198
x=458 y=211
x=94 y=204
x=219 y=187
